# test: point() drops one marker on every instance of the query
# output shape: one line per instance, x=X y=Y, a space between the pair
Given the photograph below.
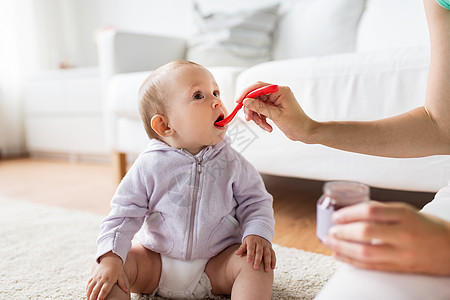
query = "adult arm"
x=396 y=237
x=420 y=132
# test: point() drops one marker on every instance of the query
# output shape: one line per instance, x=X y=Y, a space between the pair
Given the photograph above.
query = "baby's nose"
x=217 y=103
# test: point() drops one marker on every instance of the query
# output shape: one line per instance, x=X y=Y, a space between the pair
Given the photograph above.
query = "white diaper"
x=183 y=279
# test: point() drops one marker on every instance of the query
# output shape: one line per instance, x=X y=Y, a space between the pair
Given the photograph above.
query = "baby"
x=204 y=218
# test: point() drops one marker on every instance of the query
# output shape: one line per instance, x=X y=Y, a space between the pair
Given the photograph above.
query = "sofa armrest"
x=123 y=52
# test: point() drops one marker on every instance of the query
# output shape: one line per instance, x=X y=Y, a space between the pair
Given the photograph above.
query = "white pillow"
x=233 y=33
x=389 y=24
x=317 y=27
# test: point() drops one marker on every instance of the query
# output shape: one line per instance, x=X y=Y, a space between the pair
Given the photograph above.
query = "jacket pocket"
x=159 y=236
x=226 y=233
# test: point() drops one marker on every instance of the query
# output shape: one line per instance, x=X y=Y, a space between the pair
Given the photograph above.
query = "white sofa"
x=343 y=59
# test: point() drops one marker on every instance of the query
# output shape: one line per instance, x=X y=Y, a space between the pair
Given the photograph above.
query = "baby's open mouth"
x=220 y=118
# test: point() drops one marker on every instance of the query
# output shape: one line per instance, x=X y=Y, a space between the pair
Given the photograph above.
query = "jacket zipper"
x=198 y=171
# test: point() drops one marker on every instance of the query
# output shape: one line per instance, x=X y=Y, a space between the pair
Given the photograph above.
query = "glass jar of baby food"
x=336 y=195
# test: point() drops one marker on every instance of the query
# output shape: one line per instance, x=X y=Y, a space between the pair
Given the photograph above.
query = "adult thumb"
x=259 y=106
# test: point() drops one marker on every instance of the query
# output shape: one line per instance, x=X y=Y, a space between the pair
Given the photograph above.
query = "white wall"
x=35 y=35
x=66 y=27
x=164 y=17
x=64 y=30
x=17 y=56
x=80 y=19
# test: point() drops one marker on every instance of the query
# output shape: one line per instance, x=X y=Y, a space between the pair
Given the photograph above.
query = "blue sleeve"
x=444 y=3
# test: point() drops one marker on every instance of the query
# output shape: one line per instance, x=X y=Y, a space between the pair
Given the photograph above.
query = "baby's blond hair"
x=151 y=98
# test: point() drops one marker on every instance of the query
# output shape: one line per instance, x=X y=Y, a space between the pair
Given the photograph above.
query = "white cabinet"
x=63 y=112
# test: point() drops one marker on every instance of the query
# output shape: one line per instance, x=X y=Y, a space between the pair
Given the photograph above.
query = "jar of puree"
x=336 y=195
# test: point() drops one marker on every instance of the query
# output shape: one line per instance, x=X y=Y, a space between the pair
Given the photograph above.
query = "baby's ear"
x=160 y=124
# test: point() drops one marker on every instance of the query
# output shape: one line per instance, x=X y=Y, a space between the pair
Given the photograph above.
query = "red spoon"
x=269 y=89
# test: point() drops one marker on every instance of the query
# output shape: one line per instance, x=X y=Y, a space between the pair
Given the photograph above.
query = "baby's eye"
x=216 y=94
x=198 y=96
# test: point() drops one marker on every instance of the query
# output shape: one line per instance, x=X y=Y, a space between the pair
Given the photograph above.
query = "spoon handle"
x=269 y=89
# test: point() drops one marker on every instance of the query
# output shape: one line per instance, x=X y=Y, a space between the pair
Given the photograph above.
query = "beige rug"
x=46 y=253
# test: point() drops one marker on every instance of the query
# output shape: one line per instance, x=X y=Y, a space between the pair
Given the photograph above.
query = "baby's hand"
x=107 y=273
x=258 y=249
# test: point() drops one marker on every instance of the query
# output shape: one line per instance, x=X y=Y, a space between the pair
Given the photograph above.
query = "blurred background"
x=46 y=41
x=54 y=117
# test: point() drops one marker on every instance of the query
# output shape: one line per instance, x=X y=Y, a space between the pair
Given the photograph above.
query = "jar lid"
x=347 y=192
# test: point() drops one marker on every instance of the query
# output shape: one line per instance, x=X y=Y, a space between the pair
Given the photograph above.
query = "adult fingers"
x=366 y=232
x=372 y=211
x=259 y=120
x=252 y=116
x=367 y=253
x=264 y=125
x=251 y=88
x=262 y=108
x=248 y=114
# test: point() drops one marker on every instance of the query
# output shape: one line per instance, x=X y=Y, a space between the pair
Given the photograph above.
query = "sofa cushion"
x=351 y=86
x=130 y=136
x=233 y=33
x=389 y=24
x=317 y=27
x=273 y=153
x=122 y=93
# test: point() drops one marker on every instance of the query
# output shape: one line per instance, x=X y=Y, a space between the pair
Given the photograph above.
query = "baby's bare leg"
x=232 y=274
x=143 y=270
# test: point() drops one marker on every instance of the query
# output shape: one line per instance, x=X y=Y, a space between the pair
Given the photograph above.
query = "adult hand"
x=282 y=108
x=258 y=249
x=391 y=237
x=107 y=273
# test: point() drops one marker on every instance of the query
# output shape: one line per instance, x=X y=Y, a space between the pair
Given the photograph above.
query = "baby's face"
x=194 y=106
